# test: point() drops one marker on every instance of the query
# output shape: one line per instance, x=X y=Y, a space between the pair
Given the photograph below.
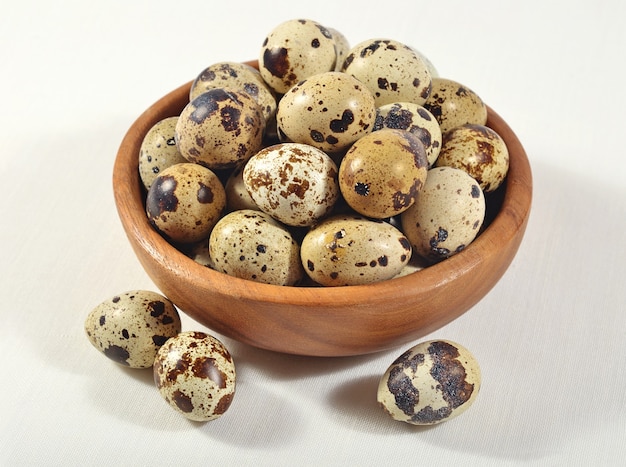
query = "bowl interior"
x=325 y=321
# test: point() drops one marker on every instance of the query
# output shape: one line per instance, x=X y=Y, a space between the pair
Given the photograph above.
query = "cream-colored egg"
x=158 y=150
x=478 y=150
x=416 y=119
x=195 y=374
x=391 y=70
x=129 y=328
x=353 y=250
x=454 y=104
x=294 y=183
x=382 y=173
x=430 y=383
x=184 y=202
x=447 y=215
x=238 y=77
x=295 y=50
x=220 y=128
x=252 y=245
x=329 y=111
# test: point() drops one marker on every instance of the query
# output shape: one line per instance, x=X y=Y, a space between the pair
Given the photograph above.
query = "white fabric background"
x=550 y=337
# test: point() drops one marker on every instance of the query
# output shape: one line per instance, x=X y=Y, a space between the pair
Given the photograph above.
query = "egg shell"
x=430 y=383
x=353 y=250
x=158 y=150
x=294 y=183
x=329 y=111
x=447 y=215
x=295 y=50
x=415 y=119
x=220 y=128
x=478 y=150
x=252 y=245
x=195 y=374
x=129 y=328
x=382 y=173
x=391 y=70
x=454 y=104
x=185 y=201
x=238 y=77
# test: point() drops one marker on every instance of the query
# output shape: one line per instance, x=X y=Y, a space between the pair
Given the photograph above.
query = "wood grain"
x=323 y=321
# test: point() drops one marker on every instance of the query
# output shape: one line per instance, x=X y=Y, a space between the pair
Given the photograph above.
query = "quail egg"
x=353 y=250
x=158 y=150
x=392 y=71
x=220 y=128
x=329 y=111
x=430 y=383
x=447 y=215
x=195 y=374
x=252 y=245
x=382 y=173
x=294 y=183
x=295 y=50
x=129 y=328
x=184 y=202
x=454 y=104
x=478 y=150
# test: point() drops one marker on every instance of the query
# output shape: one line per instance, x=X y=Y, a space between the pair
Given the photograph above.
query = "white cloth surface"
x=550 y=337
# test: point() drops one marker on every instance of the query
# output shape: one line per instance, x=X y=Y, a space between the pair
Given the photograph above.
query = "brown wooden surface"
x=323 y=321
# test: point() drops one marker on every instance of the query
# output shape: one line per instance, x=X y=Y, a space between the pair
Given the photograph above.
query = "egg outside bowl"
x=328 y=321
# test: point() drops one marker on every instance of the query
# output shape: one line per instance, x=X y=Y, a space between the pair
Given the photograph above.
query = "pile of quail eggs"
x=328 y=165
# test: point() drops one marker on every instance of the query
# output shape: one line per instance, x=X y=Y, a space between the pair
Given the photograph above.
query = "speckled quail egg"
x=252 y=245
x=129 y=328
x=447 y=215
x=195 y=374
x=329 y=111
x=238 y=77
x=295 y=50
x=430 y=383
x=294 y=183
x=454 y=104
x=391 y=70
x=416 y=119
x=353 y=250
x=382 y=173
x=478 y=150
x=220 y=128
x=184 y=202
x=158 y=150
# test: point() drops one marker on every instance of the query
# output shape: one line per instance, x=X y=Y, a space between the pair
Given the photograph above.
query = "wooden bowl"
x=329 y=321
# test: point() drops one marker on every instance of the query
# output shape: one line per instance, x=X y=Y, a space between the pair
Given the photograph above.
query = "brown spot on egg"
x=204 y=194
x=341 y=125
x=208 y=368
x=276 y=61
x=117 y=354
x=159 y=340
x=182 y=401
x=230 y=117
x=223 y=404
x=405 y=394
x=161 y=196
